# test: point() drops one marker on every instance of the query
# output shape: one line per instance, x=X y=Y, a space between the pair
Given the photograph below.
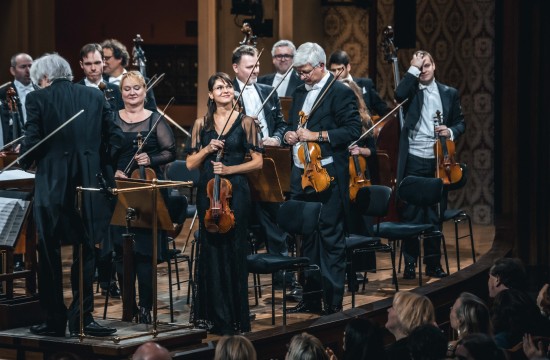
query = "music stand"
x=132 y=194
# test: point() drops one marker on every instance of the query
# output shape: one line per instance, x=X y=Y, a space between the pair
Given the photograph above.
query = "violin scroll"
x=249 y=37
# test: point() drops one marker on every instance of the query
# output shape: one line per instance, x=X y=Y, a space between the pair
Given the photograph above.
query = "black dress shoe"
x=145 y=316
x=46 y=329
x=332 y=309
x=114 y=291
x=435 y=271
x=410 y=271
x=94 y=329
x=306 y=307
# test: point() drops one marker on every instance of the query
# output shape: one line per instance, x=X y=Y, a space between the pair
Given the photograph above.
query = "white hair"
x=309 y=53
x=51 y=66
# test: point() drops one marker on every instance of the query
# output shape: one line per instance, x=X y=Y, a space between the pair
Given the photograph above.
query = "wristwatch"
x=320 y=138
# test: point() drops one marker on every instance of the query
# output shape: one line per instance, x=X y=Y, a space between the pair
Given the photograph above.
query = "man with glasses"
x=283 y=54
x=116 y=58
x=332 y=123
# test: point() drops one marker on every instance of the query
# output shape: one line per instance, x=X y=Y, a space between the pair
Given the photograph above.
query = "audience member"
x=409 y=311
x=514 y=314
x=306 y=347
x=427 y=342
x=234 y=347
x=151 y=351
x=362 y=340
x=469 y=315
x=507 y=273
x=543 y=301
x=538 y=351
x=478 y=347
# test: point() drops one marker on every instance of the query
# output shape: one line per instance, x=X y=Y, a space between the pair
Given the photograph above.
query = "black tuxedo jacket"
x=72 y=157
x=272 y=108
x=293 y=82
x=339 y=117
x=453 y=117
x=5 y=112
x=150 y=102
x=373 y=101
x=112 y=95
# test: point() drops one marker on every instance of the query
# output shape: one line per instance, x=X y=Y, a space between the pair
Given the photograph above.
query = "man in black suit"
x=20 y=66
x=271 y=127
x=416 y=155
x=339 y=60
x=282 y=54
x=332 y=125
x=116 y=58
x=91 y=62
x=70 y=158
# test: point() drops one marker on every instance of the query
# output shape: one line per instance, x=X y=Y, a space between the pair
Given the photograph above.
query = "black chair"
x=178 y=171
x=422 y=192
x=458 y=216
x=298 y=218
x=374 y=201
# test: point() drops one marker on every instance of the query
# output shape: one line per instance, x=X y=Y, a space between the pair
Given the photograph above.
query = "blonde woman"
x=408 y=311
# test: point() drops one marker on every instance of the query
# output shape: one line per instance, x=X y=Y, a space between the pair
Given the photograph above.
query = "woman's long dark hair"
x=363 y=340
x=211 y=104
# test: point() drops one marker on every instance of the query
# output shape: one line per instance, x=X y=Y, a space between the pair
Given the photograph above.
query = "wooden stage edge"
x=272 y=343
x=191 y=344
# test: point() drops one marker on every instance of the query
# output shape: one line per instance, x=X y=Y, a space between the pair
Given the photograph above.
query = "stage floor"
x=379 y=285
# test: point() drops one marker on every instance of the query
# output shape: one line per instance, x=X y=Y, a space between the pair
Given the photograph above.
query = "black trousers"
x=423 y=167
x=143 y=271
x=275 y=239
x=326 y=246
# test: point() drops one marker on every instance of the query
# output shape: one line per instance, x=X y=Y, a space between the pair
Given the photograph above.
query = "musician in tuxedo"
x=70 y=158
x=339 y=60
x=270 y=126
x=333 y=124
x=116 y=59
x=282 y=54
x=20 y=66
x=416 y=157
x=91 y=63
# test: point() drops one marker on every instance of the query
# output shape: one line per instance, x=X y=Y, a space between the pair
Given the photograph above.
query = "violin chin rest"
x=212 y=228
x=309 y=190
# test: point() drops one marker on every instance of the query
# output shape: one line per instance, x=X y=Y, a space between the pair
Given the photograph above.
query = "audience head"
x=478 y=347
x=282 y=54
x=151 y=351
x=235 y=347
x=469 y=315
x=306 y=347
x=20 y=66
x=362 y=340
x=408 y=311
x=427 y=342
x=64 y=355
x=507 y=273
x=116 y=56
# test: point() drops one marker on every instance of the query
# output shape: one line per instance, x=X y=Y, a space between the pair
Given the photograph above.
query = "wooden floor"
x=379 y=285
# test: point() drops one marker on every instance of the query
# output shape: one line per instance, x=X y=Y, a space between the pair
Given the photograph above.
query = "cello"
x=447 y=169
x=16 y=130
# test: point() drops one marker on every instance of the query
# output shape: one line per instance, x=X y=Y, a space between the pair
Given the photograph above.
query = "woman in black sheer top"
x=159 y=150
x=221 y=305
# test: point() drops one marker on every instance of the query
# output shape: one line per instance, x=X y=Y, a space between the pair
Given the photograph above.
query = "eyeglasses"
x=221 y=88
x=283 y=56
x=107 y=58
x=308 y=72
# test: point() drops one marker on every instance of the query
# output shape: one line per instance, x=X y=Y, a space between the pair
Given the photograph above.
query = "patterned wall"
x=460 y=36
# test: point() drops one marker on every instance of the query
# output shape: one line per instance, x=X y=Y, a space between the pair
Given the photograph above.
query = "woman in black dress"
x=221 y=303
x=159 y=150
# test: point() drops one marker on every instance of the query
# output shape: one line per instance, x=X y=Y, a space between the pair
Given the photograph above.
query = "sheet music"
x=12 y=215
x=15 y=174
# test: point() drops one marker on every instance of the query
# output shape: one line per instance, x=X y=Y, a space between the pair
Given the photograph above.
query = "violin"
x=219 y=218
x=359 y=175
x=447 y=169
x=315 y=177
x=14 y=113
x=143 y=172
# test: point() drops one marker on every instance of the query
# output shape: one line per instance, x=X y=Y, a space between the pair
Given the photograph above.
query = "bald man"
x=151 y=351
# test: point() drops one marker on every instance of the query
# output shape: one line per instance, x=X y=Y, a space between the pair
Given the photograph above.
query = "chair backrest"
x=420 y=191
x=178 y=171
x=374 y=200
x=299 y=217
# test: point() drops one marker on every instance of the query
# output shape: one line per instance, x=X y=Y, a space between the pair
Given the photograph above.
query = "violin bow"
x=11 y=143
x=398 y=106
x=240 y=94
x=273 y=91
x=4 y=85
x=129 y=166
x=43 y=140
x=320 y=98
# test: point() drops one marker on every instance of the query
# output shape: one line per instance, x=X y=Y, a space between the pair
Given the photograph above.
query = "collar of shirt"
x=116 y=80
x=320 y=84
x=23 y=88
x=348 y=78
x=91 y=84
x=431 y=87
x=250 y=85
